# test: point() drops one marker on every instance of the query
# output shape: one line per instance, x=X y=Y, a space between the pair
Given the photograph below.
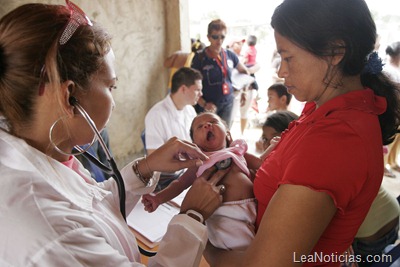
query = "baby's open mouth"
x=209 y=135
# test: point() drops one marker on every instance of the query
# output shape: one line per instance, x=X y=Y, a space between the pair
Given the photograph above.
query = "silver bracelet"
x=135 y=168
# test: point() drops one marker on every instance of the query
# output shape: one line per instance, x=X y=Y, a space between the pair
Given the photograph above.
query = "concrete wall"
x=144 y=33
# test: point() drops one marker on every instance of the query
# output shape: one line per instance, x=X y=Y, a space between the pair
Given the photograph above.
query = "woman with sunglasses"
x=55 y=63
x=216 y=64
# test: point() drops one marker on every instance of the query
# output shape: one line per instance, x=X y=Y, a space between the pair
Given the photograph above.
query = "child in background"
x=250 y=93
x=278 y=100
x=250 y=58
x=273 y=126
x=238 y=209
x=278 y=97
x=250 y=55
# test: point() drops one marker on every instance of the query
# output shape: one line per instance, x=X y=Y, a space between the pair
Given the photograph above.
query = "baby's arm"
x=152 y=201
x=271 y=147
x=254 y=162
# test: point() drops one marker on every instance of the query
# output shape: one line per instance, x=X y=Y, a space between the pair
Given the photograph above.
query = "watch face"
x=223 y=164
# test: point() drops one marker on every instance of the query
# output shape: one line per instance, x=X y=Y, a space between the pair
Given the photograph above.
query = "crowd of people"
x=315 y=189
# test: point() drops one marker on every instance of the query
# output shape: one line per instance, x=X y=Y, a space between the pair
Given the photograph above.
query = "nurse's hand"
x=205 y=195
x=175 y=154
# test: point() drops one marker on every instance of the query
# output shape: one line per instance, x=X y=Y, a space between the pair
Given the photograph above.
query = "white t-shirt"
x=164 y=121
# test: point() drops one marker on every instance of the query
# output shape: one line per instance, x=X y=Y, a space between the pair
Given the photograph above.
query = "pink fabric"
x=235 y=151
x=251 y=55
x=72 y=164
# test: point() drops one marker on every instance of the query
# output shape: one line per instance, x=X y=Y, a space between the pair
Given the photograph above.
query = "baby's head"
x=275 y=124
x=209 y=132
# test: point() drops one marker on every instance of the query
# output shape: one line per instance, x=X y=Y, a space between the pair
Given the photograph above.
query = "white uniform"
x=164 y=121
x=52 y=216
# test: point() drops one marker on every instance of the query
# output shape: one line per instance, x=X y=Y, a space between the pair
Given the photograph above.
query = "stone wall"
x=144 y=33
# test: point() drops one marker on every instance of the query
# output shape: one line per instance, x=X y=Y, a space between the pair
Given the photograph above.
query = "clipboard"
x=150 y=228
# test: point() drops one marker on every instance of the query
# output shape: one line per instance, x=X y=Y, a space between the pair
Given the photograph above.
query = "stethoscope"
x=111 y=170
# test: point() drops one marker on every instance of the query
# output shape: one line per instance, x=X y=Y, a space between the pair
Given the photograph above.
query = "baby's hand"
x=150 y=202
x=274 y=141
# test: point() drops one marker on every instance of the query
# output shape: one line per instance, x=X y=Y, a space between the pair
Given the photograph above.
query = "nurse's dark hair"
x=29 y=40
x=324 y=28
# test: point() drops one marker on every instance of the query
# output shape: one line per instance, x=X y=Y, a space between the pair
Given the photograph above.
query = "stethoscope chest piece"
x=223 y=164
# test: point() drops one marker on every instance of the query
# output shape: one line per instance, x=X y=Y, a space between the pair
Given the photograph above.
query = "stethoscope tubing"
x=113 y=170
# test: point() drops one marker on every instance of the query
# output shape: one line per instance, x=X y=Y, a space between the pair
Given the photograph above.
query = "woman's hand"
x=175 y=154
x=205 y=196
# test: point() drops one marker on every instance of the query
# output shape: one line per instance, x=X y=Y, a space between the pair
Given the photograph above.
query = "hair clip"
x=374 y=64
x=77 y=18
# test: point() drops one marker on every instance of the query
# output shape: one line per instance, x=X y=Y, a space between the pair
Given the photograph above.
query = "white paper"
x=153 y=226
x=240 y=80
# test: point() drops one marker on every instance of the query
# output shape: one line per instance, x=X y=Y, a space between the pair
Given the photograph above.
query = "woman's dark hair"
x=324 y=28
x=281 y=90
x=280 y=120
x=31 y=55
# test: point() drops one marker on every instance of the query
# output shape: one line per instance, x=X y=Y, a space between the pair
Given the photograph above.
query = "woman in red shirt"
x=315 y=189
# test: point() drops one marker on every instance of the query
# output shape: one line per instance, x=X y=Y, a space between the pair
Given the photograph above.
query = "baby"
x=232 y=224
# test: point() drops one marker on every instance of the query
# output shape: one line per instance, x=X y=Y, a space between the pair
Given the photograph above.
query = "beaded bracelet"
x=146 y=182
x=147 y=164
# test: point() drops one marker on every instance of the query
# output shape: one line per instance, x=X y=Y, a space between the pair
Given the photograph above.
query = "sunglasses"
x=216 y=36
x=76 y=19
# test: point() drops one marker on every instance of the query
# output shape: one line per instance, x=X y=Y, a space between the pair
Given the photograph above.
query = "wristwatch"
x=195 y=215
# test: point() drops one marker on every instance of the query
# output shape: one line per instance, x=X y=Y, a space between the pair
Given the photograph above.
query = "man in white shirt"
x=173 y=115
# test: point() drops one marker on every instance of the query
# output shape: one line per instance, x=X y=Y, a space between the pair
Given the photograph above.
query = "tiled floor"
x=251 y=134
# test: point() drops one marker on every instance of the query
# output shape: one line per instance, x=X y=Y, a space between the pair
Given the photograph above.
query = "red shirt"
x=251 y=56
x=336 y=149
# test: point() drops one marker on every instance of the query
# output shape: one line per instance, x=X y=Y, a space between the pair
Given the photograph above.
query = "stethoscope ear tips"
x=73 y=101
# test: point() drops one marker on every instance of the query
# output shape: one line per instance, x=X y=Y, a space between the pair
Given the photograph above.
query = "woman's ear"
x=67 y=92
x=338 y=52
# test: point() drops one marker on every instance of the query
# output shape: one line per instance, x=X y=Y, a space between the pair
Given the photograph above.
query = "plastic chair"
x=393 y=255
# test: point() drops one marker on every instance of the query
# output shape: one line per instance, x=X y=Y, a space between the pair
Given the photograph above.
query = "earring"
x=80 y=150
